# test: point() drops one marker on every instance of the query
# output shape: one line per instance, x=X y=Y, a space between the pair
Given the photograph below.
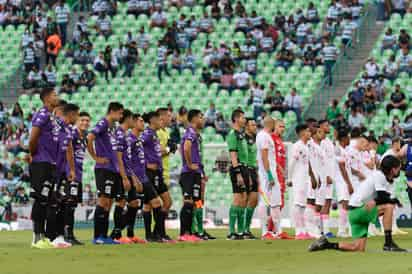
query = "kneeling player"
x=368 y=201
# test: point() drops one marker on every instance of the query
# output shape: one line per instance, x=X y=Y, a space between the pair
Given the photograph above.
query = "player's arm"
x=122 y=170
x=91 y=137
x=292 y=165
x=312 y=177
x=343 y=171
x=187 y=153
x=402 y=152
x=70 y=161
x=358 y=174
x=164 y=149
x=34 y=140
x=266 y=166
x=232 y=144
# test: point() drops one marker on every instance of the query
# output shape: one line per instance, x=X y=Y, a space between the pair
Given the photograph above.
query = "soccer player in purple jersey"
x=101 y=142
x=74 y=188
x=154 y=172
x=43 y=147
x=151 y=199
x=67 y=115
x=191 y=176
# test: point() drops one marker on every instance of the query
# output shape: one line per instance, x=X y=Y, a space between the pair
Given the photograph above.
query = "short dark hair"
x=84 y=114
x=236 y=114
x=250 y=119
x=45 y=92
x=192 y=114
x=62 y=103
x=136 y=116
x=342 y=133
x=114 y=106
x=372 y=139
x=149 y=115
x=356 y=132
x=301 y=127
x=389 y=162
x=323 y=121
x=162 y=110
x=127 y=113
x=310 y=120
x=67 y=108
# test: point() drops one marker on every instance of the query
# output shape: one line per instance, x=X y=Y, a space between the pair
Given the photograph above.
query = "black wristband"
x=236 y=170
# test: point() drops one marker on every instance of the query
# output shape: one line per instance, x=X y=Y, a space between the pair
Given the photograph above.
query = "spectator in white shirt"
x=356 y=118
x=293 y=102
x=390 y=68
x=158 y=18
x=371 y=68
x=104 y=25
x=241 y=80
x=210 y=115
x=143 y=40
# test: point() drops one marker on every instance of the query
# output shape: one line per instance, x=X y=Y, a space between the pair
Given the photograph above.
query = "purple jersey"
x=121 y=146
x=65 y=137
x=105 y=144
x=48 y=143
x=79 y=144
x=192 y=136
x=151 y=147
x=135 y=152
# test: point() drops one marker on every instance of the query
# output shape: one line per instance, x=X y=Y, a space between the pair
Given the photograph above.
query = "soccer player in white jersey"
x=312 y=212
x=269 y=183
x=326 y=193
x=298 y=175
x=367 y=202
x=343 y=181
x=356 y=160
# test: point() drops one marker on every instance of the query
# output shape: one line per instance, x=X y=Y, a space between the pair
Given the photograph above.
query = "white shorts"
x=342 y=191
x=311 y=193
x=299 y=194
x=272 y=194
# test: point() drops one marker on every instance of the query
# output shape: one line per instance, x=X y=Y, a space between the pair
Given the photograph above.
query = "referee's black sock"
x=158 y=217
x=99 y=221
x=388 y=237
x=147 y=218
x=131 y=219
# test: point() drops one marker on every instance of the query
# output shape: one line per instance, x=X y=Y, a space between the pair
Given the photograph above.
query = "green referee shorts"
x=359 y=219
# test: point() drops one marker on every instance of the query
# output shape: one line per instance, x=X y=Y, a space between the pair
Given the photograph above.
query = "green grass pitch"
x=216 y=257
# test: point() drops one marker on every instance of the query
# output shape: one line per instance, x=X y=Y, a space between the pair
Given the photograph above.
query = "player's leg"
x=275 y=202
x=73 y=192
x=387 y=211
x=299 y=208
x=238 y=201
x=252 y=201
x=243 y=202
x=186 y=212
x=134 y=202
x=343 y=219
x=152 y=203
x=311 y=217
x=119 y=215
x=41 y=189
x=164 y=194
x=325 y=211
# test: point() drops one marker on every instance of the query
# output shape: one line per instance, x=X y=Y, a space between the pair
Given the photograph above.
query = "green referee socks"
x=241 y=220
x=198 y=214
x=233 y=213
x=194 y=223
x=248 y=217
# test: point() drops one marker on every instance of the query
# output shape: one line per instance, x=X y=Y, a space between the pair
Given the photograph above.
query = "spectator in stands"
x=111 y=60
x=88 y=77
x=404 y=40
x=215 y=74
x=309 y=58
x=388 y=40
x=333 y=110
x=370 y=99
x=20 y=196
x=129 y=37
x=405 y=61
x=49 y=76
x=67 y=85
x=215 y=11
x=189 y=61
x=277 y=102
x=312 y=15
x=131 y=59
x=380 y=84
x=177 y=62
x=53 y=48
x=270 y=93
x=357 y=95
x=29 y=57
x=62 y=13
x=101 y=66
x=75 y=77
x=356 y=118
x=162 y=60
x=372 y=69
x=396 y=129
x=206 y=23
x=143 y=40
x=104 y=25
x=88 y=198
x=293 y=102
x=255 y=20
x=284 y=58
x=398 y=100
x=228 y=11
x=222 y=127
x=266 y=44
x=158 y=18
x=182 y=39
x=241 y=80
x=34 y=79
x=399 y=6
x=181 y=118
x=257 y=98
x=239 y=9
x=51 y=28
x=206 y=76
x=330 y=55
x=210 y=115
x=390 y=68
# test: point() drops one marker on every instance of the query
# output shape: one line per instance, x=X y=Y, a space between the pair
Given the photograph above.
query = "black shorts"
x=149 y=192
x=42 y=180
x=253 y=185
x=191 y=185
x=74 y=192
x=109 y=184
x=245 y=175
x=155 y=178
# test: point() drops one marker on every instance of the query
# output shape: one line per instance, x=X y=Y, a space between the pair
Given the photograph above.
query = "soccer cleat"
x=301 y=236
x=249 y=236
x=393 y=248
x=137 y=240
x=319 y=244
x=330 y=235
x=209 y=237
x=269 y=236
x=397 y=231
x=59 y=242
x=284 y=236
x=201 y=237
x=154 y=239
x=124 y=240
x=188 y=238
x=233 y=237
x=167 y=239
x=104 y=241
x=42 y=244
